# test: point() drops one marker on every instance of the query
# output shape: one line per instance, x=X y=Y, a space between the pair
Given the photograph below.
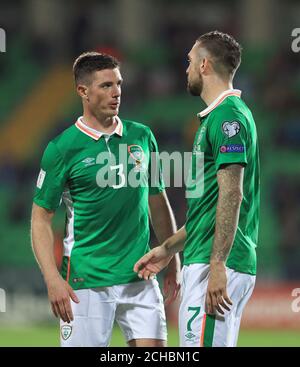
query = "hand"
x=152 y=263
x=171 y=283
x=216 y=295
x=59 y=294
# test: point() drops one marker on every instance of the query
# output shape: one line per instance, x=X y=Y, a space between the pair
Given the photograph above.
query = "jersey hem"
x=102 y=284
x=235 y=268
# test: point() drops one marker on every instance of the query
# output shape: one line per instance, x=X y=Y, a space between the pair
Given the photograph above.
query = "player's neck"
x=105 y=124
x=213 y=89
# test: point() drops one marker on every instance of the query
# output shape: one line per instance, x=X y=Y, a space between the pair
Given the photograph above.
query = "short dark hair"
x=89 y=62
x=225 y=51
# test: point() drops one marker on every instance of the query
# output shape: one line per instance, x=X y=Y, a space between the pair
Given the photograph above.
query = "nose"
x=187 y=70
x=116 y=92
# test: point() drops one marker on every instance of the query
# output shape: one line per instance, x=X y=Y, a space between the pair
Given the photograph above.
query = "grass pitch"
x=47 y=336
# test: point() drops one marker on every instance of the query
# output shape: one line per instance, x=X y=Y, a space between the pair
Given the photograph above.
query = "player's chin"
x=113 y=110
x=193 y=90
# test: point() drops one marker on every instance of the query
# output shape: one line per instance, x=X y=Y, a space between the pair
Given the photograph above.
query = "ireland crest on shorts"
x=66 y=331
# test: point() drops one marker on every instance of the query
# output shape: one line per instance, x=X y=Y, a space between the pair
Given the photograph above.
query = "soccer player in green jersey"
x=221 y=230
x=98 y=167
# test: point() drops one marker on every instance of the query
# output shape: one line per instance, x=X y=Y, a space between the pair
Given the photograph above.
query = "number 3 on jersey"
x=120 y=172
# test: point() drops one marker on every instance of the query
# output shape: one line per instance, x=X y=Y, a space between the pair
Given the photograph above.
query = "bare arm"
x=230 y=181
x=59 y=291
x=159 y=257
x=161 y=216
x=164 y=226
x=176 y=243
x=163 y=221
x=43 y=241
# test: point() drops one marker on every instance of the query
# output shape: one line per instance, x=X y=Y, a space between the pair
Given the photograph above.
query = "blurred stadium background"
x=152 y=38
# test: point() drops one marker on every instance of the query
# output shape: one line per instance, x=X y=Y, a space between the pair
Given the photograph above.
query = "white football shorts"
x=137 y=307
x=196 y=328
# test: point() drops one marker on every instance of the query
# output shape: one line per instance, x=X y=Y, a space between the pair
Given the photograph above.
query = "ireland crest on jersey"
x=137 y=154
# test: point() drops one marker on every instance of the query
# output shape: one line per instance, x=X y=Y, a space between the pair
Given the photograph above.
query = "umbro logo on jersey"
x=231 y=128
x=88 y=162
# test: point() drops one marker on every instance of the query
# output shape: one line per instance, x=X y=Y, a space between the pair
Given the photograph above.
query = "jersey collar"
x=219 y=100
x=95 y=134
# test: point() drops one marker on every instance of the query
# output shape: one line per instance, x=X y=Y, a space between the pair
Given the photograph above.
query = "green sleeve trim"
x=231 y=160
x=43 y=204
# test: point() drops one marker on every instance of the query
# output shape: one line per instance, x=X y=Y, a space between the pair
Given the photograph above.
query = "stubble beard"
x=195 y=89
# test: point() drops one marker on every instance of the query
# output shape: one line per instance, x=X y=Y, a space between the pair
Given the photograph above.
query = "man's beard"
x=196 y=88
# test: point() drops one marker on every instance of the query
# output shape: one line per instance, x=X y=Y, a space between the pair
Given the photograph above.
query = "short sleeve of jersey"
x=51 y=180
x=156 y=183
x=228 y=138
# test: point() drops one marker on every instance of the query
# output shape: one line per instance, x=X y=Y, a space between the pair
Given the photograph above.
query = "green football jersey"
x=227 y=134
x=103 y=181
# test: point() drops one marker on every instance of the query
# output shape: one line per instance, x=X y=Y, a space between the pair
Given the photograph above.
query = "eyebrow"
x=120 y=81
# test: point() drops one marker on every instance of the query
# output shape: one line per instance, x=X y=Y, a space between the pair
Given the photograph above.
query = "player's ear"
x=82 y=91
x=204 y=65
